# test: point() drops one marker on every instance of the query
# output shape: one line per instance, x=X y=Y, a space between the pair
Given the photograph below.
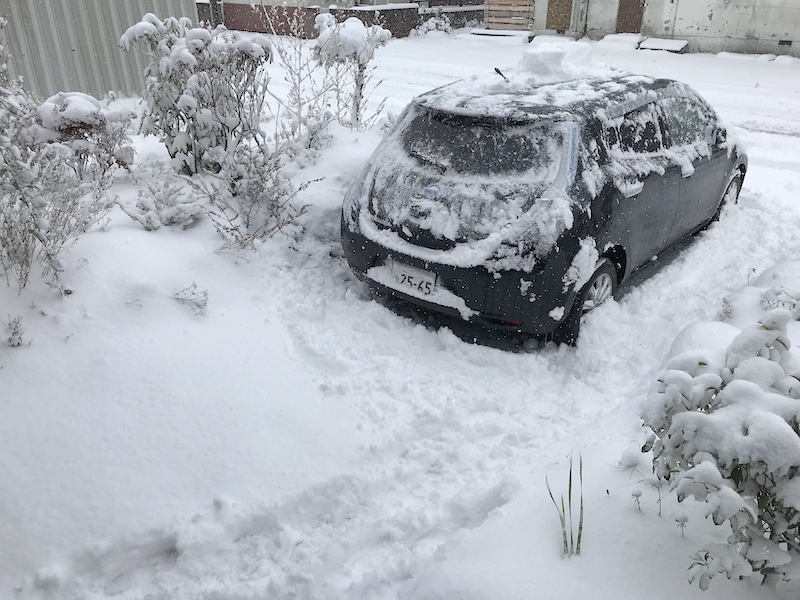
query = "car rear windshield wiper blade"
x=427 y=159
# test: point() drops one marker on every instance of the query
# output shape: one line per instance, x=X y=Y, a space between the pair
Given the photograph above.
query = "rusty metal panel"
x=59 y=45
x=629 y=16
x=559 y=14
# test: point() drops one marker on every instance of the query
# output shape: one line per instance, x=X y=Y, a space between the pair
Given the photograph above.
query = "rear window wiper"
x=428 y=160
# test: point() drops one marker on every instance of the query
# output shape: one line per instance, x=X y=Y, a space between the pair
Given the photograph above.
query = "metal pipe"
x=217 y=13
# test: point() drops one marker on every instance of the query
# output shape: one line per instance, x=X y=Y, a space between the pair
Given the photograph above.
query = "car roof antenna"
x=499 y=72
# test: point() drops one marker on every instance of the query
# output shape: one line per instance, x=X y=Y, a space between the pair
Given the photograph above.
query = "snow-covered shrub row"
x=47 y=197
x=346 y=49
x=205 y=89
x=725 y=417
x=206 y=97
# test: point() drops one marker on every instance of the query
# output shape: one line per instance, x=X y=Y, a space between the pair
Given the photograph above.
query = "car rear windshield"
x=468 y=145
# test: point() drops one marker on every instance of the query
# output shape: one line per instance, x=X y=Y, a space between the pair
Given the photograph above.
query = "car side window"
x=637 y=132
x=686 y=121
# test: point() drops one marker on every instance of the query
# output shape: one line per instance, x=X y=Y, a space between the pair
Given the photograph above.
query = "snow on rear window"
x=463 y=179
x=482 y=147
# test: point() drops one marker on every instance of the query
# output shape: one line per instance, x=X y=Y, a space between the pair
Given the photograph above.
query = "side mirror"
x=715 y=136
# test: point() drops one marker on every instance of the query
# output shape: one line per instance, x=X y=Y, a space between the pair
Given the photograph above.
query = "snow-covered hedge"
x=48 y=194
x=206 y=97
x=726 y=424
x=205 y=88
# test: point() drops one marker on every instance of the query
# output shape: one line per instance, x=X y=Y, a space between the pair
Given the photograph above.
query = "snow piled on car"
x=502 y=220
x=550 y=73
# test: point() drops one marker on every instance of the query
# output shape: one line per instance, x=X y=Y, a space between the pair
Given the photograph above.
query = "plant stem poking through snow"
x=681 y=520
x=564 y=511
x=197 y=301
x=15 y=326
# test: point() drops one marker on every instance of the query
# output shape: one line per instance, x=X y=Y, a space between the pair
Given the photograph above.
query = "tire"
x=600 y=288
x=731 y=196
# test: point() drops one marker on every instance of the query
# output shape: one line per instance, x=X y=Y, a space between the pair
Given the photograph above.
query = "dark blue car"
x=523 y=206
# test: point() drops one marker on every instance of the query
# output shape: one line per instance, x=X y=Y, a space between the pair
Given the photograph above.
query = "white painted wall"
x=734 y=25
x=602 y=17
x=540 y=15
x=71 y=45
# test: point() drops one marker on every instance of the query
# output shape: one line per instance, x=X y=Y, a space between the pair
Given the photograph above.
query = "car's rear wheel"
x=600 y=288
x=731 y=196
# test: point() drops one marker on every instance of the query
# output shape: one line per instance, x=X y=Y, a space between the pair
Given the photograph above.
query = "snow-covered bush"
x=346 y=50
x=305 y=113
x=97 y=135
x=726 y=425
x=45 y=204
x=436 y=23
x=206 y=96
x=256 y=198
x=164 y=199
x=205 y=89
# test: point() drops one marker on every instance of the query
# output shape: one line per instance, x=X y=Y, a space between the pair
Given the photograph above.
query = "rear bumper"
x=507 y=300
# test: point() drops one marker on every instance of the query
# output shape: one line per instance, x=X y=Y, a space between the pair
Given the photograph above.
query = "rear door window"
x=686 y=121
x=638 y=132
x=470 y=146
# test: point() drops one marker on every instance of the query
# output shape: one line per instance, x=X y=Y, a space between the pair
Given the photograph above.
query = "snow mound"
x=561 y=60
x=464 y=579
x=786 y=60
x=67 y=108
x=621 y=41
x=704 y=335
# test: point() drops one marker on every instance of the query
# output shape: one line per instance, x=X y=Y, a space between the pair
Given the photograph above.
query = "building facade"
x=754 y=26
x=72 y=45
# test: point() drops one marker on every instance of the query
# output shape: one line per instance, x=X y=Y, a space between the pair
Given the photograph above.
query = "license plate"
x=419 y=280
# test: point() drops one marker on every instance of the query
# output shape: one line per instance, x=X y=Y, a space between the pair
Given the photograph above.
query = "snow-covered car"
x=522 y=206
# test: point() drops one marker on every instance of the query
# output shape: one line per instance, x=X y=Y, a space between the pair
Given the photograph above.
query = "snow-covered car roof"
x=525 y=99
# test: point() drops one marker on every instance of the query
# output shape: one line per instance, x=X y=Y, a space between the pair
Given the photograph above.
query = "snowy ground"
x=300 y=440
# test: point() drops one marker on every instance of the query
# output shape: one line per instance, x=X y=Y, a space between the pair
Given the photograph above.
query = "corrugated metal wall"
x=71 y=45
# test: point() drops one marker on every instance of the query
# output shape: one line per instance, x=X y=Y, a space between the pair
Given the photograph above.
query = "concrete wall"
x=602 y=17
x=71 y=45
x=758 y=26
